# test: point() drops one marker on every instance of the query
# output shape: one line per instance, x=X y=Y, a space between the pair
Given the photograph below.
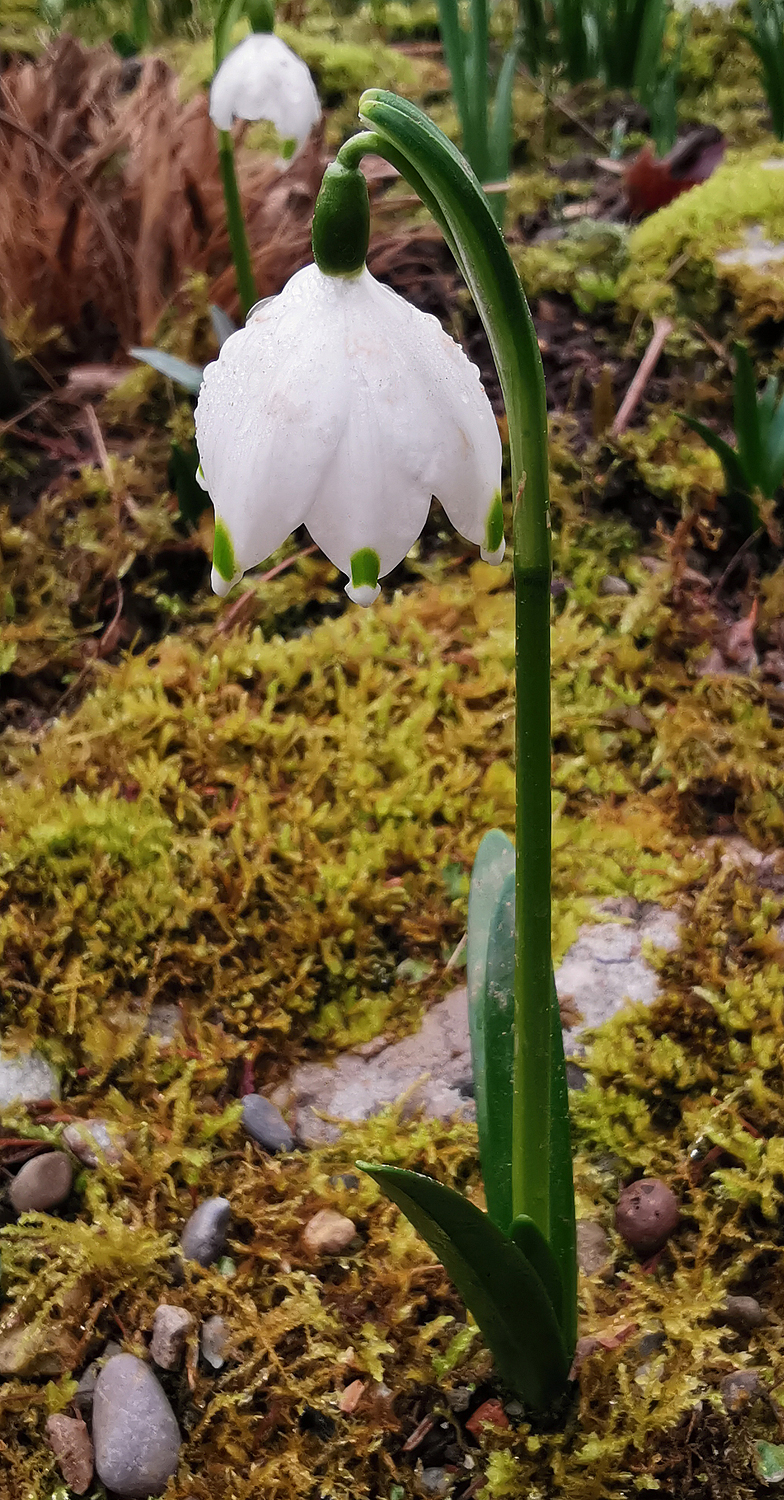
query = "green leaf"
x=192 y=499
x=734 y=475
x=563 y=1229
x=528 y=1237
x=500 y=145
x=492 y=1051
x=496 y=1281
x=184 y=374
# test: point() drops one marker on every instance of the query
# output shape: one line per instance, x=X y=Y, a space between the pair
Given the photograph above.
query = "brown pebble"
x=70 y=1441
x=739 y=1388
x=94 y=1141
x=170 y=1329
x=593 y=1247
x=646 y=1214
x=743 y=1312
x=42 y=1183
x=328 y=1233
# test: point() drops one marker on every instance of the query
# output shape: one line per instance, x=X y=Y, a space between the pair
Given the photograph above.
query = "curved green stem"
x=437 y=171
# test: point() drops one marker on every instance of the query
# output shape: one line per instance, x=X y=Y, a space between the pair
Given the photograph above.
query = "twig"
x=112 y=243
x=742 y=550
x=99 y=444
x=713 y=344
x=236 y=611
x=566 y=111
x=662 y=328
x=28 y=411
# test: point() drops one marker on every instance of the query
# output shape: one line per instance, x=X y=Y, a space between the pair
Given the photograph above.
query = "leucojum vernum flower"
x=340 y=406
x=262 y=79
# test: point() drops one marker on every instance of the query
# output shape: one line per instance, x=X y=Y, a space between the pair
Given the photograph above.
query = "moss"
x=672 y=255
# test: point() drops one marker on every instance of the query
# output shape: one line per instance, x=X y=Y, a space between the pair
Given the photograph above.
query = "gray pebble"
x=170 y=1329
x=204 y=1235
x=739 y=1388
x=42 y=1183
x=459 y=1399
x=135 y=1432
x=612 y=585
x=265 y=1124
x=25 y=1078
x=434 y=1481
x=743 y=1312
x=593 y=1247
x=83 y=1397
x=214 y=1341
x=84 y=1136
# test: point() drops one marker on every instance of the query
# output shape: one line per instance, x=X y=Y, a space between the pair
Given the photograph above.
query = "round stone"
x=743 y=1313
x=328 y=1233
x=93 y=1141
x=42 y=1183
x=646 y=1214
x=739 y=1388
x=204 y=1235
x=135 y=1432
x=265 y=1123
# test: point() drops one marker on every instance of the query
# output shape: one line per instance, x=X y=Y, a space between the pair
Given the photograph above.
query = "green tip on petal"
x=364 y=586
x=494 y=544
x=223 y=560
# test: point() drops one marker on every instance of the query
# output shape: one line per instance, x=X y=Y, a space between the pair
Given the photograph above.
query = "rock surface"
x=204 y=1235
x=170 y=1329
x=214 y=1341
x=25 y=1078
x=593 y=1248
x=328 y=1233
x=265 y=1124
x=42 y=1183
x=739 y=1388
x=743 y=1313
x=135 y=1432
x=71 y=1443
x=603 y=971
x=94 y=1140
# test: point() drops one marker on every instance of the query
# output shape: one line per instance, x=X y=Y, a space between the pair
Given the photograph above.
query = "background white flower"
x=341 y=405
x=262 y=79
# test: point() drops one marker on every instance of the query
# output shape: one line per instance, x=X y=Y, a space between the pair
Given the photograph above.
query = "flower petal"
x=270 y=415
x=262 y=79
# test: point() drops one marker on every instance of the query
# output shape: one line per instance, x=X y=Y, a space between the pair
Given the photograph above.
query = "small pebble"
x=347 y=1180
x=434 y=1481
x=739 y=1388
x=612 y=585
x=135 y=1432
x=459 y=1399
x=328 y=1233
x=84 y=1136
x=651 y=1343
x=490 y=1411
x=70 y=1442
x=25 y=1078
x=743 y=1312
x=593 y=1247
x=265 y=1124
x=42 y=1183
x=170 y=1329
x=646 y=1214
x=204 y=1236
x=214 y=1341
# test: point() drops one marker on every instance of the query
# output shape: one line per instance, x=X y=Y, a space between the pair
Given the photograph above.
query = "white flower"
x=341 y=405
x=262 y=79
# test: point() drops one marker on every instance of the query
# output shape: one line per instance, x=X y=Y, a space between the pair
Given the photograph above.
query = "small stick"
x=662 y=328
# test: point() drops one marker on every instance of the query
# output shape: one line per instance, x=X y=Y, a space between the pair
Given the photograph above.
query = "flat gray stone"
x=25 y=1078
x=204 y=1236
x=603 y=971
x=135 y=1432
x=170 y=1329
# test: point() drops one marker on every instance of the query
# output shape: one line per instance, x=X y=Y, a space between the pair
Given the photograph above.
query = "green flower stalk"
x=364 y=408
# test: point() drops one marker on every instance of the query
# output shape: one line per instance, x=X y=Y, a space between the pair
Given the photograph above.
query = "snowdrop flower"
x=342 y=406
x=262 y=79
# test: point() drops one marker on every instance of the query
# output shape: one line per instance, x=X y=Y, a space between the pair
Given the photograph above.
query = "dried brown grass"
x=110 y=196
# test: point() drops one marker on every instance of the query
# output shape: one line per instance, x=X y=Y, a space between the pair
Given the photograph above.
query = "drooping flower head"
x=262 y=79
x=342 y=406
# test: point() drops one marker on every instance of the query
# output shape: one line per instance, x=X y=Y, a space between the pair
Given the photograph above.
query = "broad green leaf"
x=184 y=374
x=500 y=144
x=528 y=1237
x=563 y=1230
x=495 y=1280
x=491 y=1055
